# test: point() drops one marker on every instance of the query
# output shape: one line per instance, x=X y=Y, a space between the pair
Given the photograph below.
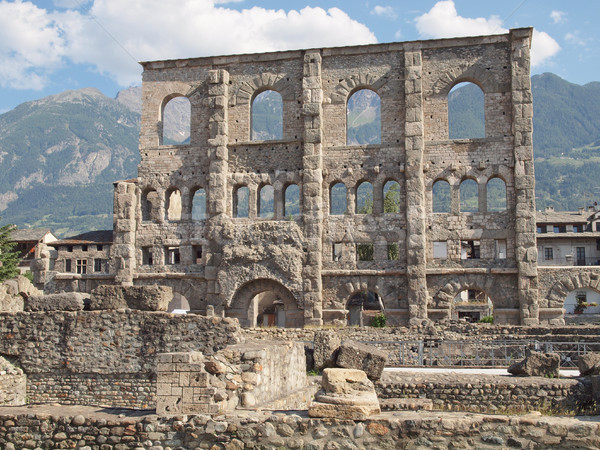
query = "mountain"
x=60 y=155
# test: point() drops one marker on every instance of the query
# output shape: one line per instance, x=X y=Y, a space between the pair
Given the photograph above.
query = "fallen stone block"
x=144 y=298
x=65 y=301
x=536 y=364
x=326 y=345
x=346 y=394
x=354 y=355
x=589 y=364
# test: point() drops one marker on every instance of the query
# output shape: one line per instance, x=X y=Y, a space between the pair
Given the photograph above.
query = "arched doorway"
x=179 y=304
x=472 y=305
x=582 y=301
x=265 y=303
x=362 y=308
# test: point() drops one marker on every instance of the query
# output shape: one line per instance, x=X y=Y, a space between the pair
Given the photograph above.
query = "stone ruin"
x=179 y=223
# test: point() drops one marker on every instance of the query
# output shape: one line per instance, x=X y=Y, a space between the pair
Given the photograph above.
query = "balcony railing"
x=570 y=261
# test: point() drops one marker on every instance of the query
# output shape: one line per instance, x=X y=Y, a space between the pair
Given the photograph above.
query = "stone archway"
x=265 y=302
x=362 y=306
x=563 y=286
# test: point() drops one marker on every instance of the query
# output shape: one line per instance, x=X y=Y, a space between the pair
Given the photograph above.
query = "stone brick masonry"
x=242 y=265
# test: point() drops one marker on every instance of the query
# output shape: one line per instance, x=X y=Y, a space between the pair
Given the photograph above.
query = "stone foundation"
x=83 y=428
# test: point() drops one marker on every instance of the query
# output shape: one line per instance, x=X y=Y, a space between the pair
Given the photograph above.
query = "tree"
x=9 y=257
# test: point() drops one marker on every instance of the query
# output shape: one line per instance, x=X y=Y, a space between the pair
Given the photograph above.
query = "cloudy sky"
x=48 y=46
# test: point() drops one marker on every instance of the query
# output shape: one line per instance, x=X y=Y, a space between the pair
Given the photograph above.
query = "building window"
x=469 y=196
x=469 y=250
x=173 y=256
x=597 y=226
x=147 y=257
x=84 y=248
x=560 y=228
x=337 y=251
x=291 y=201
x=176 y=121
x=393 y=251
x=364 y=198
x=337 y=199
x=99 y=247
x=391 y=197
x=496 y=195
x=197 y=254
x=97 y=265
x=466 y=100
x=500 y=248
x=364 y=252
x=440 y=250
x=266 y=202
x=548 y=253
x=241 y=198
x=541 y=229
x=580 y=252
x=82 y=266
x=363 y=118
x=69 y=248
x=68 y=267
x=267 y=116
x=441 y=196
x=199 y=204
x=577 y=228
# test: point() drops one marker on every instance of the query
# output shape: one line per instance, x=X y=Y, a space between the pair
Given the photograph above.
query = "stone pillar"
x=415 y=188
x=123 y=260
x=525 y=226
x=312 y=190
x=216 y=208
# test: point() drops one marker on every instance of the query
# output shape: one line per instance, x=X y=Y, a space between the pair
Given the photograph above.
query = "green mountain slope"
x=59 y=157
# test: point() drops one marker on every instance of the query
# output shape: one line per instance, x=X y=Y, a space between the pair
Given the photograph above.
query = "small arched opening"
x=266 y=203
x=363 y=307
x=391 y=197
x=173 y=207
x=150 y=203
x=337 y=199
x=241 y=199
x=496 y=195
x=199 y=204
x=469 y=196
x=364 y=198
x=292 y=201
x=441 y=197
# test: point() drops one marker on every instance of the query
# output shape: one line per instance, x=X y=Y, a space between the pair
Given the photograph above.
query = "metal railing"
x=497 y=353
x=571 y=261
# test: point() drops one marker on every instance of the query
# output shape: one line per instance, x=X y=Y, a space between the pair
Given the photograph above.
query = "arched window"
x=265 y=206
x=176 y=121
x=241 y=201
x=364 y=198
x=466 y=112
x=150 y=205
x=363 y=118
x=292 y=201
x=469 y=196
x=173 y=207
x=337 y=199
x=267 y=116
x=496 y=195
x=391 y=197
x=441 y=196
x=199 y=204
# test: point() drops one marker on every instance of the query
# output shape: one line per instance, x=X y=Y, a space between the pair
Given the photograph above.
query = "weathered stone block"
x=354 y=355
x=589 y=364
x=326 y=345
x=537 y=364
x=146 y=298
x=66 y=301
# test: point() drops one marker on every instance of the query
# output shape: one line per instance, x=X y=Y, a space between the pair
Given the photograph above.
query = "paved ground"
x=55 y=409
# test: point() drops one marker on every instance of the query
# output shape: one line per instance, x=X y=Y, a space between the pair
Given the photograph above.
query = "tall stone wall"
x=249 y=265
x=103 y=357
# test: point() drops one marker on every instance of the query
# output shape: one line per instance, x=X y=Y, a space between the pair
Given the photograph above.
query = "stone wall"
x=13 y=384
x=104 y=357
x=243 y=266
x=399 y=430
x=489 y=393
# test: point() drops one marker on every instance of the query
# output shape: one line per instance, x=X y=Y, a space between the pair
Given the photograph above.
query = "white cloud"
x=384 y=11
x=557 y=16
x=443 y=21
x=575 y=39
x=33 y=42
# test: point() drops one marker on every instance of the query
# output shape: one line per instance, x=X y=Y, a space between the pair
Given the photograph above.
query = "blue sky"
x=48 y=46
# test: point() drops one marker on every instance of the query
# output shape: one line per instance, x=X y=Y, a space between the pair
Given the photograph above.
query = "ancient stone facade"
x=246 y=266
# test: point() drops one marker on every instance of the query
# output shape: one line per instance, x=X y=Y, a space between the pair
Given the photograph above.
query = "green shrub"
x=487 y=319
x=379 y=321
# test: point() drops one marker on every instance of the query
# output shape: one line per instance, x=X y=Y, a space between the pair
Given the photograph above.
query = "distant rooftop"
x=91 y=237
x=29 y=234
